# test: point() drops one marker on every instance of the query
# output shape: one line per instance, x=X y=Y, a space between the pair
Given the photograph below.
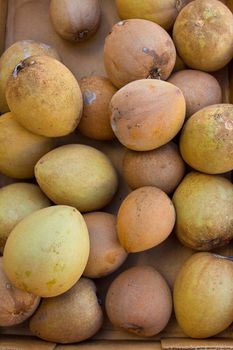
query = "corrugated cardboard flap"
x=185 y=343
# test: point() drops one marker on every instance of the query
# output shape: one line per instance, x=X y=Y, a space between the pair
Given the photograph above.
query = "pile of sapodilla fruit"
x=53 y=232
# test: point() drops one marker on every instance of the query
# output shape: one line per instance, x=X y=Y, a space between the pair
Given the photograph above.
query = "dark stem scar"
x=20 y=66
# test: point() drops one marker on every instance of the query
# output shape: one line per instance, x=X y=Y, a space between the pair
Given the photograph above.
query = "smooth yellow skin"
x=12 y=56
x=16 y=202
x=46 y=253
x=203 y=295
x=20 y=149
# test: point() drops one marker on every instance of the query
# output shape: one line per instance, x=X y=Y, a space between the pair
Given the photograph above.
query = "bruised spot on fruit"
x=51 y=283
x=229 y=125
x=20 y=66
x=89 y=97
x=131 y=327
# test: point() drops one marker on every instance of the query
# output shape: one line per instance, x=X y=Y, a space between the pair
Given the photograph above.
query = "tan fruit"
x=204 y=212
x=12 y=56
x=200 y=89
x=75 y=20
x=163 y=168
x=16 y=202
x=201 y=28
x=106 y=253
x=206 y=142
x=46 y=253
x=97 y=93
x=71 y=317
x=141 y=117
x=203 y=295
x=77 y=175
x=138 y=49
x=16 y=305
x=20 y=149
x=44 y=96
x=139 y=301
x=145 y=219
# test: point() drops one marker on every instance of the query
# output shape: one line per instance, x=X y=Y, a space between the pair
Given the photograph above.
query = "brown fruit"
x=163 y=168
x=75 y=20
x=71 y=317
x=203 y=35
x=145 y=219
x=16 y=305
x=139 y=301
x=106 y=253
x=138 y=49
x=204 y=211
x=206 y=139
x=200 y=89
x=141 y=117
x=97 y=93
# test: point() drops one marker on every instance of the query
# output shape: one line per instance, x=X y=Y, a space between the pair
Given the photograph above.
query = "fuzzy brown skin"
x=204 y=212
x=203 y=35
x=97 y=93
x=163 y=168
x=44 y=96
x=206 y=141
x=20 y=149
x=145 y=219
x=16 y=305
x=75 y=20
x=200 y=89
x=203 y=295
x=139 y=301
x=138 y=49
x=141 y=117
x=71 y=317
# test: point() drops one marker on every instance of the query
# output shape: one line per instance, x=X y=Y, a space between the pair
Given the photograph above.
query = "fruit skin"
x=16 y=202
x=77 y=175
x=142 y=119
x=46 y=253
x=71 y=317
x=138 y=49
x=162 y=167
x=12 y=56
x=145 y=219
x=204 y=216
x=16 y=306
x=203 y=295
x=97 y=93
x=55 y=106
x=139 y=301
x=202 y=27
x=161 y=12
x=200 y=89
x=106 y=253
x=206 y=141
x=75 y=20
x=19 y=148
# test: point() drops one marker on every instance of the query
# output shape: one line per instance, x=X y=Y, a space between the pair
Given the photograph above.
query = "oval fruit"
x=46 y=253
x=71 y=317
x=16 y=202
x=204 y=215
x=19 y=148
x=145 y=219
x=206 y=139
x=138 y=49
x=55 y=106
x=139 y=301
x=141 y=117
x=75 y=20
x=200 y=89
x=77 y=175
x=204 y=26
x=203 y=295
x=162 y=167
x=97 y=93
x=16 y=305
x=12 y=56
x=106 y=253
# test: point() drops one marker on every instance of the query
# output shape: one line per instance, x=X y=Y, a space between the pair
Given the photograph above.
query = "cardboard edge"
x=3 y=21
x=197 y=344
